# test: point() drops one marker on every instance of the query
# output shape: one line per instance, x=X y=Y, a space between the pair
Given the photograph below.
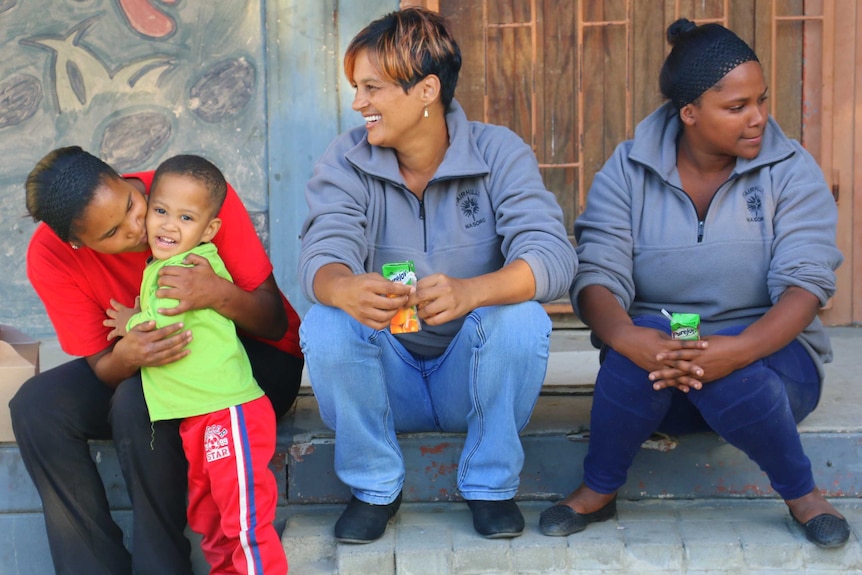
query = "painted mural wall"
x=132 y=81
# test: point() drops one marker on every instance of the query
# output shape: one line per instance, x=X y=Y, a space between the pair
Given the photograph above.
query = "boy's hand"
x=118 y=317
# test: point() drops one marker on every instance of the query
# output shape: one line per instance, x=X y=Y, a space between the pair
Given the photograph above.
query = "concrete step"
x=692 y=504
x=650 y=537
x=555 y=442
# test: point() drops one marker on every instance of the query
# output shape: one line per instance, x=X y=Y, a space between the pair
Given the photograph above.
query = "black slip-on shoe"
x=364 y=522
x=561 y=520
x=496 y=519
x=825 y=530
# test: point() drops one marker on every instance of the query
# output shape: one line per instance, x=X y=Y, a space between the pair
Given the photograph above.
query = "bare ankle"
x=810 y=505
x=587 y=500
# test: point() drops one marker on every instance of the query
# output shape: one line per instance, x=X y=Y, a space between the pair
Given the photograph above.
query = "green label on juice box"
x=401 y=272
x=685 y=325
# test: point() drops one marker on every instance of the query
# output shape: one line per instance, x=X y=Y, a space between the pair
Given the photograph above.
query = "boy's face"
x=179 y=215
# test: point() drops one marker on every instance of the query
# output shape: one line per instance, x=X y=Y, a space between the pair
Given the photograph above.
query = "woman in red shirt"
x=86 y=261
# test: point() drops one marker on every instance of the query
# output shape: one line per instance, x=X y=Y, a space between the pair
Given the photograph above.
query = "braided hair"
x=701 y=56
x=61 y=186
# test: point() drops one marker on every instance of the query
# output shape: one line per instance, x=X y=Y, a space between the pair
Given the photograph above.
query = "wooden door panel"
x=574 y=78
x=509 y=72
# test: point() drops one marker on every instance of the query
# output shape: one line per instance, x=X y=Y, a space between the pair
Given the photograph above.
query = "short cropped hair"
x=408 y=45
x=201 y=170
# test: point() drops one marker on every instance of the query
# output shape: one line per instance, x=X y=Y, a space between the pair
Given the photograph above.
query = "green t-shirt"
x=216 y=374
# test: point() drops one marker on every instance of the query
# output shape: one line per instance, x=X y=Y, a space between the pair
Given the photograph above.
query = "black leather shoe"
x=363 y=522
x=561 y=520
x=496 y=519
x=826 y=531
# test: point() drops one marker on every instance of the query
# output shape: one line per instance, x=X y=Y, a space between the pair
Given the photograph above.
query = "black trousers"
x=55 y=413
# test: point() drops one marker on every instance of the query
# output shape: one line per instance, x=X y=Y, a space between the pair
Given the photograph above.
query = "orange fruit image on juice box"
x=407 y=319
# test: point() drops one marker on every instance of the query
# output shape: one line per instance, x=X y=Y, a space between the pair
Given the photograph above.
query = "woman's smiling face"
x=390 y=114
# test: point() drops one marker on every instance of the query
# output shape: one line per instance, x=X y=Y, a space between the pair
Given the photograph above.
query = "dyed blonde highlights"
x=406 y=46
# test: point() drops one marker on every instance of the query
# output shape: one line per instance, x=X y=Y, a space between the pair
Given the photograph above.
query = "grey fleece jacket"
x=770 y=226
x=484 y=208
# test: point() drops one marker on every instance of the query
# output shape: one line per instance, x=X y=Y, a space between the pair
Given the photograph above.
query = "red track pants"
x=232 y=492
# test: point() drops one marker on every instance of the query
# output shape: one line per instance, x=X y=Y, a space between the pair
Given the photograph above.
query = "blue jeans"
x=369 y=387
x=755 y=409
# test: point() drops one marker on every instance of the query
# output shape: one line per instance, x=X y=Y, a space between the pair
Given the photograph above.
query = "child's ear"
x=212 y=229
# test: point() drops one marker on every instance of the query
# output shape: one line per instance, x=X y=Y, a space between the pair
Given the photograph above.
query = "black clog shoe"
x=496 y=519
x=363 y=522
x=826 y=531
x=561 y=520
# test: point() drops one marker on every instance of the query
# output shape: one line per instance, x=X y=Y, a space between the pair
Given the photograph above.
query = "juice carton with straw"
x=407 y=318
x=683 y=325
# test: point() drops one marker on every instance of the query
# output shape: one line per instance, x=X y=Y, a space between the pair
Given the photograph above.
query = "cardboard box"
x=19 y=361
x=22 y=343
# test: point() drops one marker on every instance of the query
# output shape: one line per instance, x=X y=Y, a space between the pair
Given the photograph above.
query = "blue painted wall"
x=309 y=104
x=254 y=85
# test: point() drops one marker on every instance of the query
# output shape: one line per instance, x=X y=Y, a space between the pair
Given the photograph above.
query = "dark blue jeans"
x=756 y=409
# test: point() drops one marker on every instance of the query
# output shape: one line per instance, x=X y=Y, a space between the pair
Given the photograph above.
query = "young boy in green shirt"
x=228 y=425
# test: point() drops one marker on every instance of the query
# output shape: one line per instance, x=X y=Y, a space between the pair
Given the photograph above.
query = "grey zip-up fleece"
x=484 y=208
x=770 y=226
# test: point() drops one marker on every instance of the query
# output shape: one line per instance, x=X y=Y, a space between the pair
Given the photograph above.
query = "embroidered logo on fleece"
x=216 y=443
x=468 y=202
x=754 y=203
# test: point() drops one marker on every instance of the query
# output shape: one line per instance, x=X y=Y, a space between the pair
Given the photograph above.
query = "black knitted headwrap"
x=701 y=56
x=70 y=192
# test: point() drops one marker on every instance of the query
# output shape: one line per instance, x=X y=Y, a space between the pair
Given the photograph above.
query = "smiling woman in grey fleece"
x=711 y=210
x=465 y=202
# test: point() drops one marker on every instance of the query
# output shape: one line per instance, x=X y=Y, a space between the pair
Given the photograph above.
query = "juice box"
x=685 y=326
x=407 y=318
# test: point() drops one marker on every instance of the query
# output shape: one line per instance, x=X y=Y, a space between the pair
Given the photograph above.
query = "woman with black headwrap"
x=710 y=210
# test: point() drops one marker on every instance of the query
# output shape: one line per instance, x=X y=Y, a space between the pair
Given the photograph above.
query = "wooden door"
x=574 y=78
